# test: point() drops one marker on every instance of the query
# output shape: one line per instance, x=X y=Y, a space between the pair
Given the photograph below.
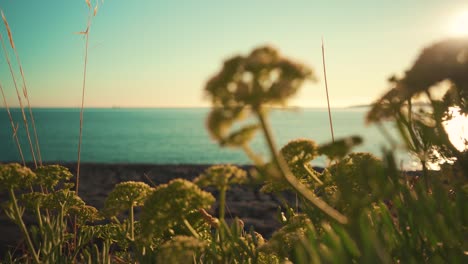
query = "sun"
x=459 y=24
x=457 y=129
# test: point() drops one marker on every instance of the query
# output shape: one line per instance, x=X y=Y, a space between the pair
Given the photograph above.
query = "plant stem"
x=15 y=134
x=23 y=227
x=77 y=183
x=26 y=95
x=39 y=216
x=222 y=202
x=25 y=120
x=190 y=228
x=132 y=223
x=312 y=174
x=326 y=89
x=293 y=181
x=254 y=157
x=81 y=111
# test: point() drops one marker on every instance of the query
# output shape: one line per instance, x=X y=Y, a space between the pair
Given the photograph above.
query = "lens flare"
x=459 y=24
x=457 y=129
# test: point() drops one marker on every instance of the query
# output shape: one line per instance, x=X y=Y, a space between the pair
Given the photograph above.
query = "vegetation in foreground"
x=360 y=209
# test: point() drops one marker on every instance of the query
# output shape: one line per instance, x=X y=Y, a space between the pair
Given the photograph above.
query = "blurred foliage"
x=244 y=84
x=415 y=105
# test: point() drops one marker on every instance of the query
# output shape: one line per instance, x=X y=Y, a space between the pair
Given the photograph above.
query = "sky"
x=160 y=53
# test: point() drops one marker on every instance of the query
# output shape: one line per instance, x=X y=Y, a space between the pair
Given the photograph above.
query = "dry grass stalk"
x=82 y=108
x=25 y=120
x=326 y=89
x=92 y=13
x=13 y=127
x=25 y=89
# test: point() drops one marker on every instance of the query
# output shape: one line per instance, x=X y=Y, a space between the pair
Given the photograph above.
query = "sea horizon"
x=178 y=107
x=175 y=135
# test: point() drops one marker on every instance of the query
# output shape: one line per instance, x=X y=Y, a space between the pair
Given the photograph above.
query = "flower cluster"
x=33 y=200
x=262 y=77
x=169 y=204
x=49 y=176
x=299 y=151
x=85 y=214
x=360 y=180
x=125 y=195
x=286 y=238
x=180 y=249
x=15 y=176
x=297 y=154
x=246 y=83
x=221 y=176
x=65 y=199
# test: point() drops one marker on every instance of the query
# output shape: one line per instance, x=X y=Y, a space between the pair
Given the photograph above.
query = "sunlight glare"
x=457 y=129
x=459 y=25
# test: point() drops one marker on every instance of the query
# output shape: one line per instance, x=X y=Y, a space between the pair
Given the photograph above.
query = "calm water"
x=175 y=136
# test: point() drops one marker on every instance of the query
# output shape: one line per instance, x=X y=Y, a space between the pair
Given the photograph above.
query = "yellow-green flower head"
x=170 y=204
x=357 y=165
x=221 y=176
x=262 y=77
x=49 y=176
x=62 y=198
x=283 y=240
x=180 y=249
x=125 y=195
x=15 y=176
x=264 y=258
x=33 y=200
x=111 y=231
x=360 y=179
x=85 y=214
x=299 y=151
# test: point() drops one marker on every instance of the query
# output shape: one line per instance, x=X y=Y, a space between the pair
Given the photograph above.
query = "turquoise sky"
x=154 y=53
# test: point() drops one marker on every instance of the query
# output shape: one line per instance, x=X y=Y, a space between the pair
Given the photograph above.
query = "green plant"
x=127 y=196
x=221 y=176
x=244 y=86
x=13 y=177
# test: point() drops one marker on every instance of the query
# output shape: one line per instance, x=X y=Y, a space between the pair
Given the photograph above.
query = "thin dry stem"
x=25 y=120
x=15 y=134
x=77 y=184
x=26 y=95
x=149 y=180
x=326 y=89
x=82 y=106
x=25 y=89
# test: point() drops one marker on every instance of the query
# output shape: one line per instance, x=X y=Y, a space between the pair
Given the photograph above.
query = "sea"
x=178 y=135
